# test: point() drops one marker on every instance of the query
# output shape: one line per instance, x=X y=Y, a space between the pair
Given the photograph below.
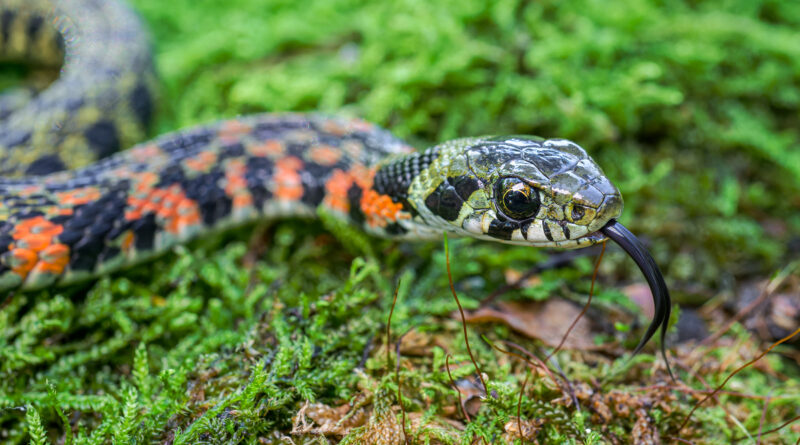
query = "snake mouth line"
x=596 y=237
x=661 y=300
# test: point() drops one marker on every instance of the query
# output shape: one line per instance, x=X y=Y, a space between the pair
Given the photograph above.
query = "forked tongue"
x=630 y=244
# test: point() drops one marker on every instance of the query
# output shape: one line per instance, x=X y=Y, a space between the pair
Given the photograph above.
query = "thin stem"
x=725 y=382
x=463 y=318
x=585 y=307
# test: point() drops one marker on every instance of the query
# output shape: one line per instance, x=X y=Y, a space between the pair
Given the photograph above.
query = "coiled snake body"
x=73 y=207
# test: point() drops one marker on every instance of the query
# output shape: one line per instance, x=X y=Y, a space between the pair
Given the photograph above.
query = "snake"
x=81 y=195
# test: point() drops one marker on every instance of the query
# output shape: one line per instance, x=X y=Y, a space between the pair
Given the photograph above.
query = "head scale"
x=517 y=189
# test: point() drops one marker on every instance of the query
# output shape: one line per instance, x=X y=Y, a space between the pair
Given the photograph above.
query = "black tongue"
x=630 y=244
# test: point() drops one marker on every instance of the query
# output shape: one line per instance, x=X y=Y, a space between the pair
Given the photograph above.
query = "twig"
x=463 y=318
x=725 y=382
x=763 y=416
x=397 y=381
x=773 y=430
x=771 y=287
x=561 y=374
x=519 y=405
x=455 y=387
x=539 y=363
x=585 y=307
x=389 y=325
x=397 y=363
x=553 y=262
x=714 y=395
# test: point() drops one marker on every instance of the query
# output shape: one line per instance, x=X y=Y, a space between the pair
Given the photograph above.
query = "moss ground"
x=261 y=335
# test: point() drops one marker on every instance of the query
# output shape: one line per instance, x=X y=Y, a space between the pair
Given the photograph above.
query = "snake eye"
x=517 y=199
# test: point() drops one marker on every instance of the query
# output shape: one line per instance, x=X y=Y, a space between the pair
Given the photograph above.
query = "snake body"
x=73 y=207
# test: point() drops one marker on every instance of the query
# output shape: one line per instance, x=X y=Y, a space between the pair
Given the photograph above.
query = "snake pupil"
x=519 y=200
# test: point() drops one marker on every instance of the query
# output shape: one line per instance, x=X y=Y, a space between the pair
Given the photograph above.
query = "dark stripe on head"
x=565 y=229
x=546 y=230
x=444 y=202
x=502 y=229
x=465 y=185
x=524 y=228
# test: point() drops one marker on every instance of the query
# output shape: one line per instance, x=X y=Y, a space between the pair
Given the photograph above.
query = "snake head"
x=519 y=190
x=526 y=190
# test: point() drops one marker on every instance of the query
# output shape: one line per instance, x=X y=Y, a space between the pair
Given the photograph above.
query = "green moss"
x=690 y=107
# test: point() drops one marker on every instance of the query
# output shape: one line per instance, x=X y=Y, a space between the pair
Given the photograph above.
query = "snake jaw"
x=661 y=299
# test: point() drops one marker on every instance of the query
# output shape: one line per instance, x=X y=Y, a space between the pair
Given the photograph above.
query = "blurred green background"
x=691 y=108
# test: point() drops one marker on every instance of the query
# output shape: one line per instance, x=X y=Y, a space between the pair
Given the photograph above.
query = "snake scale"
x=75 y=205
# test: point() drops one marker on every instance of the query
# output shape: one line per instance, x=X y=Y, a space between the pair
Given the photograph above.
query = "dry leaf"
x=513 y=276
x=327 y=420
x=640 y=294
x=546 y=320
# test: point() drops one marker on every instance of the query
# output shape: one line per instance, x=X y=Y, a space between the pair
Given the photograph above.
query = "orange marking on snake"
x=187 y=214
x=144 y=182
x=380 y=209
x=145 y=153
x=35 y=248
x=78 y=196
x=52 y=259
x=232 y=130
x=36 y=226
x=333 y=127
x=236 y=184
x=34 y=242
x=202 y=162
x=288 y=184
x=22 y=261
x=324 y=154
x=170 y=205
x=360 y=125
x=363 y=176
x=30 y=190
x=336 y=188
x=268 y=148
